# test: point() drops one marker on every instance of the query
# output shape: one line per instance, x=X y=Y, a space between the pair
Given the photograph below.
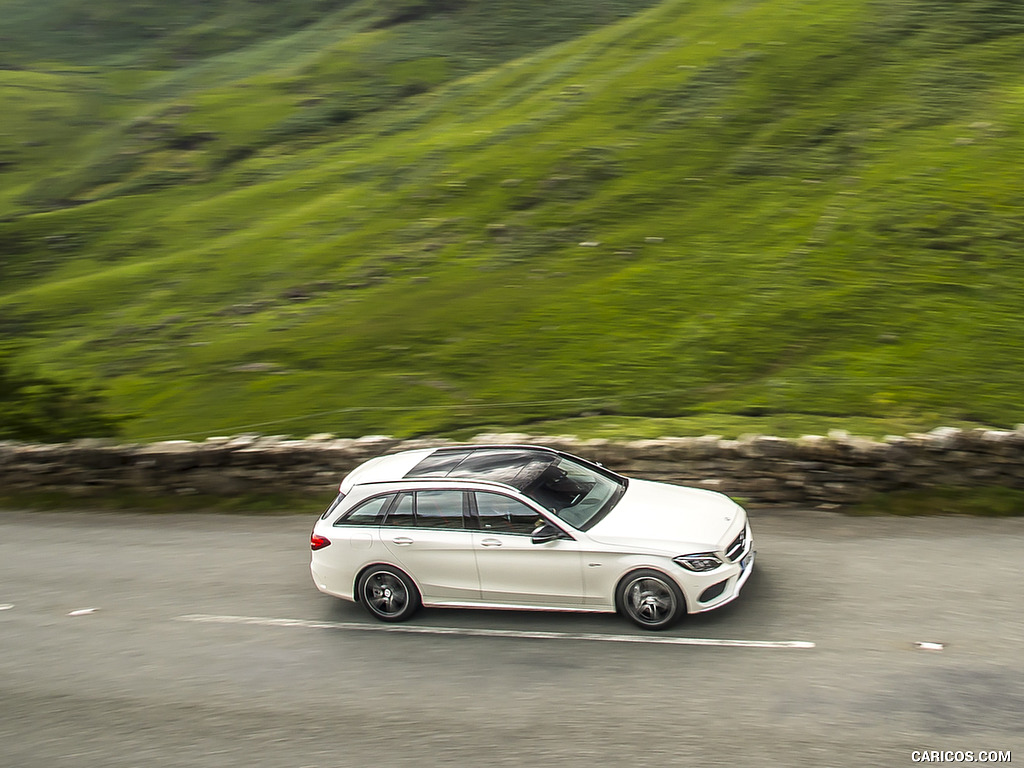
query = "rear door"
x=426 y=533
x=514 y=570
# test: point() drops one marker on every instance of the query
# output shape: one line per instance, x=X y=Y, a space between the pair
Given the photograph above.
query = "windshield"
x=576 y=493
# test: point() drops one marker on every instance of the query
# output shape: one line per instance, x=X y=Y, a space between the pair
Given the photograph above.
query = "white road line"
x=6 y=606
x=83 y=611
x=203 y=618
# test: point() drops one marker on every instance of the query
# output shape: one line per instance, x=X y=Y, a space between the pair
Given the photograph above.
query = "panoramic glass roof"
x=517 y=467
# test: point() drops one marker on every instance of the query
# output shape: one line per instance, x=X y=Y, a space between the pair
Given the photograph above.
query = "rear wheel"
x=650 y=599
x=388 y=593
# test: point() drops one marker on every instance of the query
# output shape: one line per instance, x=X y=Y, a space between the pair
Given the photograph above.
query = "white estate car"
x=526 y=527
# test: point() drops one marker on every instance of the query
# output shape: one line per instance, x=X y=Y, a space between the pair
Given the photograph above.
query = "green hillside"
x=415 y=217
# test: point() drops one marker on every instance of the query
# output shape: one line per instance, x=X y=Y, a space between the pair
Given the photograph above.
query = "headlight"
x=700 y=562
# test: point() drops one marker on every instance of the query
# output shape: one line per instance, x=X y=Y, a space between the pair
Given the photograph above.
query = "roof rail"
x=501 y=446
x=434 y=479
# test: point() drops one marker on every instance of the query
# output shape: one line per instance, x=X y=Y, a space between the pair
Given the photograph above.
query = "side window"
x=367 y=513
x=439 y=509
x=427 y=509
x=403 y=515
x=334 y=505
x=502 y=514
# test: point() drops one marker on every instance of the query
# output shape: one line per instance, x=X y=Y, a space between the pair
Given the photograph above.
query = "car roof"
x=384 y=468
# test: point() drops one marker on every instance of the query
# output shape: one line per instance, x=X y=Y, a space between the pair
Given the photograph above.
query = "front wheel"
x=388 y=593
x=650 y=599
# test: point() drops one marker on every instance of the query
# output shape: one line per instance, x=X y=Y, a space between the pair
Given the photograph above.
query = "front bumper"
x=727 y=589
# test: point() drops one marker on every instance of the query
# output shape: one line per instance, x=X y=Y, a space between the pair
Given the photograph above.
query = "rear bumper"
x=328 y=581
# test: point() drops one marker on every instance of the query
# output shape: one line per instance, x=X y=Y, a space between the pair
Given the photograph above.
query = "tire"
x=388 y=594
x=650 y=599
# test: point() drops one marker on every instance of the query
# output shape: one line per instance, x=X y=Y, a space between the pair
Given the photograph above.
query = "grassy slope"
x=799 y=207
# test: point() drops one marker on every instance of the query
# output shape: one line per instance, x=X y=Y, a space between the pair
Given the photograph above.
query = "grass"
x=727 y=426
x=156 y=503
x=981 y=502
x=362 y=225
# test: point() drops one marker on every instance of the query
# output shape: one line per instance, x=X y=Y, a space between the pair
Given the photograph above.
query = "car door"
x=514 y=570
x=425 y=532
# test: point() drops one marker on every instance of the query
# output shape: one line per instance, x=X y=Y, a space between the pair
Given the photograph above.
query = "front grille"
x=735 y=550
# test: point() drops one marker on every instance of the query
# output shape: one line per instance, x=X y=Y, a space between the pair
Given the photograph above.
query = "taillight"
x=317 y=541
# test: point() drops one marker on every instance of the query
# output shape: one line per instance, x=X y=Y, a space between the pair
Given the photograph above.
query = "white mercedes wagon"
x=526 y=527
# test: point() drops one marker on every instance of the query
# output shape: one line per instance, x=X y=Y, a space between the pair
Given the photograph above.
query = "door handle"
x=402 y=541
x=490 y=543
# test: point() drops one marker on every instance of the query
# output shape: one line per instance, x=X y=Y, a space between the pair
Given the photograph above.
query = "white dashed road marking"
x=6 y=606
x=203 y=618
x=929 y=646
x=83 y=611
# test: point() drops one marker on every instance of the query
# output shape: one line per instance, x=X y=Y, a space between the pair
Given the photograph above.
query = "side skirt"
x=514 y=607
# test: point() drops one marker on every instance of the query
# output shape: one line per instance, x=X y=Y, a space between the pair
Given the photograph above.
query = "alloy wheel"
x=649 y=601
x=385 y=594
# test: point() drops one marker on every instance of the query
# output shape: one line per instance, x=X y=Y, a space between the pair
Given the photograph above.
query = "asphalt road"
x=161 y=674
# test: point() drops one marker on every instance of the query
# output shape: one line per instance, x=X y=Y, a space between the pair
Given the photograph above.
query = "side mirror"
x=546 y=532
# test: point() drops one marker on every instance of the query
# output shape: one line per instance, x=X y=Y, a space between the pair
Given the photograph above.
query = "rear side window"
x=439 y=509
x=334 y=506
x=368 y=513
x=404 y=513
x=428 y=509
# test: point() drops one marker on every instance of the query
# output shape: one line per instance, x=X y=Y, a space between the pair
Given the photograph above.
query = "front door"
x=514 y=570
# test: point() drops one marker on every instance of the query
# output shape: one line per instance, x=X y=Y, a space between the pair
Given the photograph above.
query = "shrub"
x=36 y=408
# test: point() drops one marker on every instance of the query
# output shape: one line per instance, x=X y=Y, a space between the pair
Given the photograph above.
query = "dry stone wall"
x=835 y=469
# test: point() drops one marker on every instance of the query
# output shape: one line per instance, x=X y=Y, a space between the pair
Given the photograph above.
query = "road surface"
x=199 y=640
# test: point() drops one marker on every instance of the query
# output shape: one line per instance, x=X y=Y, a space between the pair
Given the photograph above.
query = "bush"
x=311 y=121
x=35 y=408
x=950 y=22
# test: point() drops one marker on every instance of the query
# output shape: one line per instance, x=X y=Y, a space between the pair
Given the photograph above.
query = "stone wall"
x=813 y=470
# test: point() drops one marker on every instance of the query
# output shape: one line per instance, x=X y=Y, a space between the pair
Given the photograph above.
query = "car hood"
x=654 y=515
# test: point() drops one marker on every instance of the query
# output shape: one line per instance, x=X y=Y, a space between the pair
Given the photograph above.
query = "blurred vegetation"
x=983 y=502
x=35 y=408
x=119 y=500
x=419 y=217
x=725 y=425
